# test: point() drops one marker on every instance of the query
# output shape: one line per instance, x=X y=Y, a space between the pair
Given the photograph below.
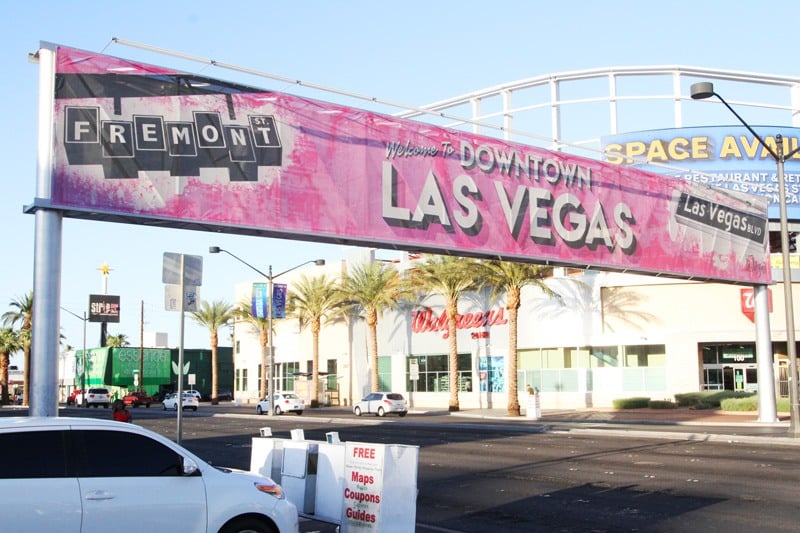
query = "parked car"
x=170 y=401
x=72 y=396
x=137 y=398
x=74 y=480
x=225 y=395
x=194 y=393
x=381 y=404
x=285 y=402
x=94 y=397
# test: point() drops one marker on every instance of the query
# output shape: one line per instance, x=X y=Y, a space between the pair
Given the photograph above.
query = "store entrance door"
x=742 y=378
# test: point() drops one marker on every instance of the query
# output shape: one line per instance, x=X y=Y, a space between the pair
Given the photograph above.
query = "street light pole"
x=270 y=358
x=83 y=360
x=701 y=91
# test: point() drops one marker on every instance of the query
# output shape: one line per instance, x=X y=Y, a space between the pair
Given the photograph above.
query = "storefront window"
x=331 y=382
x=241 y=379
x=645 y=355
x=385 y=373
x=434 y=375
x=288 y=378
x=603 y=356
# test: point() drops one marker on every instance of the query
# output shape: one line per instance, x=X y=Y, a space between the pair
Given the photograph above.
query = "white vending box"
x=380 y=488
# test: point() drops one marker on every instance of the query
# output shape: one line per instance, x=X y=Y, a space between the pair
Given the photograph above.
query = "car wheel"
x=278 y=410
x=147 y=405
x=403 y=413
x=381 y=412
x=299 y=413
x=194 y=408
x=357 y=411
x=163 y=407
x=259 y=411
x=242 y=525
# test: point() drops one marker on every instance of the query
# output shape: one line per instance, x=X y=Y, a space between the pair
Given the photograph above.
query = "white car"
x=381 y=404
x=285 y=402
x=94 y=396
x=194 y=393
x=84 y=474
x=170 y=401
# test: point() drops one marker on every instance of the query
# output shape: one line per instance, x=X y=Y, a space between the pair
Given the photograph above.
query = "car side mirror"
x=190 y=467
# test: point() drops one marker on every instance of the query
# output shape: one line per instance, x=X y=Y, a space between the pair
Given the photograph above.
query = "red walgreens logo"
x=748 y=304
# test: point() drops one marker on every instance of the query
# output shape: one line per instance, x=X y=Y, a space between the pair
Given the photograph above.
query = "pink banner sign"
x=149 y=145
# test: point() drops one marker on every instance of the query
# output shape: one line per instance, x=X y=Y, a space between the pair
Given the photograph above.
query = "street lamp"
x=270 y=277
x=83 y=360
x=701 y=91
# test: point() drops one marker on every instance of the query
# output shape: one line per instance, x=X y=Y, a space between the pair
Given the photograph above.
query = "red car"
x=72 y=395
x=137 y=398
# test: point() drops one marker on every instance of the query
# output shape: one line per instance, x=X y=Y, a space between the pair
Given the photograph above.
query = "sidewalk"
x=672 y=424
x=682 y=416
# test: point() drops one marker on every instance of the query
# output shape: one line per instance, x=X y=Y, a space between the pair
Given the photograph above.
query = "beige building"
x=610 y=336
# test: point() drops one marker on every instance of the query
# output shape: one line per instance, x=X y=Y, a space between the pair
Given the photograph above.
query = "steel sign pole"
x=703 y=90
x=791 y=348
x=270 y=370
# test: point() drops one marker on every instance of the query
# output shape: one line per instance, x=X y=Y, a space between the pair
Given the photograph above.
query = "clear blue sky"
x=413 y=52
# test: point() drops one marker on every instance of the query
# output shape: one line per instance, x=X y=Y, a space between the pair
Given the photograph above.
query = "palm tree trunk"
x=372 y=323
x=26 y=378
x=4 y=361
x=315 y=367
x=264 y=366
x=513 y=399
x=513 y=304
x=452 y=314
x=214 y=370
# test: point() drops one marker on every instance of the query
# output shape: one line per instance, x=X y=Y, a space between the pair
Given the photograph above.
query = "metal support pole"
x=180 y=352
x=791 y=347
x=270 y=370
x=42 y=373
x=700 y=91
x=767 y=409
x=83 y=374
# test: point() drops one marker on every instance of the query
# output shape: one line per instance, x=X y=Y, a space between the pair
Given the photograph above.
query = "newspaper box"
x=380 y=488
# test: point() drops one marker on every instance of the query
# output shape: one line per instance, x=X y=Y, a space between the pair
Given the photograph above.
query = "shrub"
x=739 y=404
x=708 y=399
x=631 y=403
x=662 y=404
x=750 y=403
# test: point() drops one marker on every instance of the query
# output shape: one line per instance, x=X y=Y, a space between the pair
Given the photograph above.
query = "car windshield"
x=395 y=396
x=290 y=396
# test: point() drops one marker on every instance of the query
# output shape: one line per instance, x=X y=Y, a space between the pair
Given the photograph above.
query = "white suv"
x=94 y=397
x=65 y=474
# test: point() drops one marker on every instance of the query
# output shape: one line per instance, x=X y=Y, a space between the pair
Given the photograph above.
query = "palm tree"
x=214 y=316
x=374 y=287
x=22 y=312
x=312 y=300
x=244 y=311
x=451 y=277
x=508 y=277
x=9 y=343
x=117 y=341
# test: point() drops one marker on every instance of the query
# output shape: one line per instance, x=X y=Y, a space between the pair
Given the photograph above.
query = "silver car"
x=381 y=404
x=285 y=402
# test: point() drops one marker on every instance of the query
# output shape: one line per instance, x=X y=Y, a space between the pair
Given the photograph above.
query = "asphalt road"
x=489 y=475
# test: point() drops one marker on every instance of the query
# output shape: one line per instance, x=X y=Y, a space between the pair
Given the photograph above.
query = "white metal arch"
x=762 y=91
